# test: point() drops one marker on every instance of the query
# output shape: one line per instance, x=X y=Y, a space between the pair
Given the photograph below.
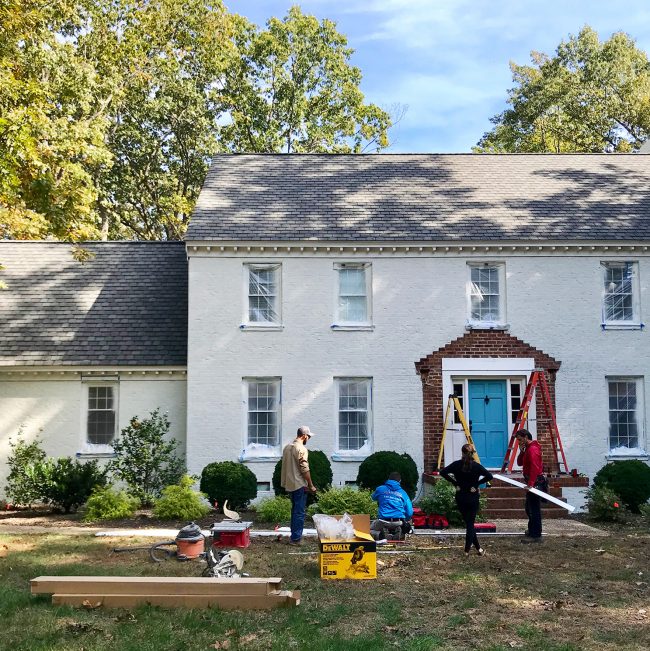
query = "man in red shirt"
x=530 y=458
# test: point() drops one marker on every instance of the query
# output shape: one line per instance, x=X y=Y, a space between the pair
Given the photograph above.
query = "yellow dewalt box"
x=350 y=559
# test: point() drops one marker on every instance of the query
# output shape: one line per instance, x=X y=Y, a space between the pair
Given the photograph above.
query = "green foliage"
x=274 y=509
x=644 y=510
x=108 y=503
x=336 y=501
x=145 y=460
x=22 y=482
x=605 y=505
x=441 y=500
x=374 y=471
x=111 y=110
x=320 y=470
x=67 y=484
x=180 y=502
x=629 y=479
x=228 y=480
x=591 y=96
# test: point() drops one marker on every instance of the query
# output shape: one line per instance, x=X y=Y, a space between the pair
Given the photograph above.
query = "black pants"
x=534 y=513
x=467 y=504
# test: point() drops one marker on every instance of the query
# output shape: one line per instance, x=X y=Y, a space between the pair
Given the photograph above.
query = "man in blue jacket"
x=395 y=509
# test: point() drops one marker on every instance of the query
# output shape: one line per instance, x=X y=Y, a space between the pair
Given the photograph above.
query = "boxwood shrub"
x=336 y=501
x=629 y=479
x=228 y=480
x=320 y=469
x=374 y=471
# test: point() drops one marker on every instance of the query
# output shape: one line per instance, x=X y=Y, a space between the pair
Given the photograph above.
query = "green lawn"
x=562 y=595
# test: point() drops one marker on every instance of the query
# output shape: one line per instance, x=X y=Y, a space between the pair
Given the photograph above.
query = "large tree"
x=591 y=96
x=110 y=110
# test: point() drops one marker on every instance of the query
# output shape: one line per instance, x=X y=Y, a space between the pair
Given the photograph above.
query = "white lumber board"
x=534 y=491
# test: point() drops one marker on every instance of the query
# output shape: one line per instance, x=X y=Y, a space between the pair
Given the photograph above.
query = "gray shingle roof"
x=425 y=197
x=126 y=306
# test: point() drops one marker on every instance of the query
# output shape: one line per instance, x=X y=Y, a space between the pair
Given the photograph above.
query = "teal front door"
x=488 y=414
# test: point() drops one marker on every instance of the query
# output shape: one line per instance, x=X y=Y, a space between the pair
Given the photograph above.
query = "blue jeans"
x=298 y=504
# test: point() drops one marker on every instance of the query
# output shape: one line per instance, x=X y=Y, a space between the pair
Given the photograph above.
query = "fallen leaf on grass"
x=230 y=631
x=90 y=605
x=221 y=645
x=4 y=550
x=591 y=604
x=515 y=645
x=599 y=551
x=247 y=638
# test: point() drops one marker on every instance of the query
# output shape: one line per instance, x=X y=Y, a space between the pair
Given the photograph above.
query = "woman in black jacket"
x=466 y=475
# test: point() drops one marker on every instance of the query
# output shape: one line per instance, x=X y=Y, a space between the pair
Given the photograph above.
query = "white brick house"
x=317 y=283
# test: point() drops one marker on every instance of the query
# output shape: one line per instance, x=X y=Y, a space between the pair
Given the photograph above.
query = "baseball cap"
x=303 y=430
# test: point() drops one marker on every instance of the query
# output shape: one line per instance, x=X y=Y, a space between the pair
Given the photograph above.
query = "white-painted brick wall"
x=419 y=305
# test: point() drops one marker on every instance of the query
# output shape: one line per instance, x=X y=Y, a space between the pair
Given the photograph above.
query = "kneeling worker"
x=395 y=509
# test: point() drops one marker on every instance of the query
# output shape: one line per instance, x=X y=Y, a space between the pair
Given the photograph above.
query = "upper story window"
x=263 y=295
x=621 y=294
x=101 y=417
x=354 y=292
x=486 y=295
x=626 y=416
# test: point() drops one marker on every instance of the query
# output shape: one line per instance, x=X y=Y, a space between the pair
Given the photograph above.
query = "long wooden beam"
x=167 y=585
x=276 y=599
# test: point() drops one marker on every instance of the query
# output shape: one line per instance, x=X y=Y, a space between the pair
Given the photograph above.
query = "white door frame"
x=463 y=368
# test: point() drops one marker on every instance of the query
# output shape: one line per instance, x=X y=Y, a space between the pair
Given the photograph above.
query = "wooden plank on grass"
x=168 y=585
x=277 y=599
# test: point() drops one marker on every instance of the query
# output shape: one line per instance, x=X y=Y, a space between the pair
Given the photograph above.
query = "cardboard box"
x=350 y=559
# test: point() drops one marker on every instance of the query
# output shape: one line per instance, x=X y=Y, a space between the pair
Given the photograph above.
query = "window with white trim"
x=354 y=418
x=620 y=293
x=263 y=294
x=263 y=401
x=101 y=417
x=626 y=415
x=353 y=294
x=486 y=295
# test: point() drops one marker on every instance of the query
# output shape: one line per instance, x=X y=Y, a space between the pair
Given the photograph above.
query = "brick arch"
x=476 y=344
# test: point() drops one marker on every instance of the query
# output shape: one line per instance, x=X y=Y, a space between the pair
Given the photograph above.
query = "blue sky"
x=447 y=60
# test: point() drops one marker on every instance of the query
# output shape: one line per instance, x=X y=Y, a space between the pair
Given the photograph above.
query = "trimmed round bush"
x=629 y=479
x=375 y=469
x=180 y=502
x=110 y=504
x=321 y=474
x=337 y=501
x=228 y=480
x=274 y=509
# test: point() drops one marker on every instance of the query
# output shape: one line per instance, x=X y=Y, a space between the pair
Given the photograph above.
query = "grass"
x=560 y=596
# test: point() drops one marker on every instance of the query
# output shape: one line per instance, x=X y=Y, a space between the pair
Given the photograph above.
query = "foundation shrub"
x=108 y=503
x=181 y=502
x=644 y=510
x=320 y=469
x=146 y=460
x=374 y=471
x=604 y=505
x=229 y=480
x=274 y=509
x=23 y=486
x=67 y=484
x=629 y=479
x=336 y=501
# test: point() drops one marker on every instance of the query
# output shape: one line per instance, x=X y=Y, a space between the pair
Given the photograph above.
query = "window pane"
x=458 y=390
x=484 y=292
x=101 y=416
x=262 y=295
x=352 y=282
x=263 y=412
x=515 y=400
x=353 y=301
x=623 y=425
x=353 y=413
x=353 y=308
x=618 y=292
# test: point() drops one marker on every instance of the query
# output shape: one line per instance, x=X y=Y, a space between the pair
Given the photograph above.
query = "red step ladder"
x=537 y=385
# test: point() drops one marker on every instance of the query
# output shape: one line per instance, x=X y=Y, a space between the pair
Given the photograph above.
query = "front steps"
x=505 y=501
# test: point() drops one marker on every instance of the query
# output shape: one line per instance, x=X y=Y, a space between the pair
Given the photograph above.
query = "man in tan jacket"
x=296 y=480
